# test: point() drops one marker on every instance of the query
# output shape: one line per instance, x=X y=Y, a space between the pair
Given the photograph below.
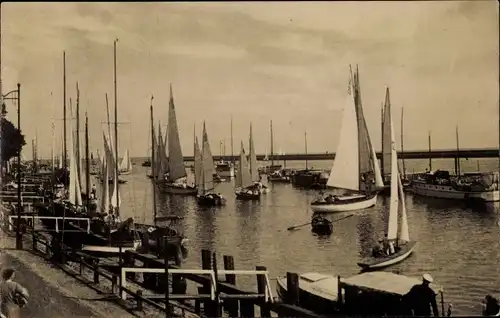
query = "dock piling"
x=292 y=285
x=231 y=306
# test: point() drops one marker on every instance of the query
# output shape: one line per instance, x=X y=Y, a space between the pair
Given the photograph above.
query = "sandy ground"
x=52 y=292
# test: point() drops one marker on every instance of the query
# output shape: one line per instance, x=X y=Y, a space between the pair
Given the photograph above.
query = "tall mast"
x=116 y=125
x=305 y=144
x=78 y=158
x=153 y=160
x=402 y=143
x=457 y=171
x=65 y=154
x=382 y=140
x=430 y=146
x=272 y=144
x=232 y=152
x=87 y=165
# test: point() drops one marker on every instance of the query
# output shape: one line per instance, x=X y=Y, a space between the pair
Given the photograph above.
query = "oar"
x=297 y=226
x=345 y=217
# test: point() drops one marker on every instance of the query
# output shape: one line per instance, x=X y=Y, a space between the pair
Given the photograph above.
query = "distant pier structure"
x=411 y=154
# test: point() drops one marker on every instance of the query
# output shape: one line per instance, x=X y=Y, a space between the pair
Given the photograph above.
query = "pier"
x=409 y=154
x=143 y=283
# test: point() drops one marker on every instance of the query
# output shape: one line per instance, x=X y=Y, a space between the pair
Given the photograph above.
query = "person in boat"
x=93 y=191
x=421 y=298
x=330 y=198
x=491 y=307
x=392 y=248
x=385 y=245
x=377 y=250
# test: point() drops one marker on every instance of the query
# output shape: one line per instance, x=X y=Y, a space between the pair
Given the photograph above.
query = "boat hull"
x=401 y=255
x=110 y=250
x=175 y=189
x=124 y=173
x=448 y=192
x=205 y=200
x=322 y=300
x=345 y=203
x=247 y=195
x=321 y=226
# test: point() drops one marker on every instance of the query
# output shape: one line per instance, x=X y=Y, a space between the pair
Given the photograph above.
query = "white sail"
x=254 y=174
x=176 y=168
x=209 y=164
x=105 y=200
x=111 y=171
x=404 y=235
x=379 y=181
x=392 y=228
x=345 y=169
x=207 y=171
x=198 y=166
x=243 y=179
x=75 y=193
x=126 y=163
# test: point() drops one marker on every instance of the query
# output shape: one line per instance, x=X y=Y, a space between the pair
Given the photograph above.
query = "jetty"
x=407 y=154
x=144 y=284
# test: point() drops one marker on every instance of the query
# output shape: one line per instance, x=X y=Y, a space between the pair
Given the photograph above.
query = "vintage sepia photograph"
x=249 y=159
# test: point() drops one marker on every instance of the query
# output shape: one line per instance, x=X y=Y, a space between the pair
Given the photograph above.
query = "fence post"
x=138 y=299
x=262 y=289
x=95 y=268
x=230 y=305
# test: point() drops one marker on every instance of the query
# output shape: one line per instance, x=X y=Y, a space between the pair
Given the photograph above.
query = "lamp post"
x=16 y=95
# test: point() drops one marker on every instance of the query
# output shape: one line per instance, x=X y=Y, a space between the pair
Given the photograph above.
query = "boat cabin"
x=377 y=294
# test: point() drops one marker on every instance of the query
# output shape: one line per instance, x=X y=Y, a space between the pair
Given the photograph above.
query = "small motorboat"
x=321 y=225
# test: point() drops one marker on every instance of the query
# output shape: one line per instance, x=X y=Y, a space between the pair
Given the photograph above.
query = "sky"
x=282 y=61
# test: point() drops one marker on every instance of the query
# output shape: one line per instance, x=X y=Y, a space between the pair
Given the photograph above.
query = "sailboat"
x=175 y=181
x=126 y=164
x=272 y=168
x=254 y=173
x=386 y=161
x=210 y=163
x=400 y=246
x=204 y=169
x=355 y=167
x=245 y=187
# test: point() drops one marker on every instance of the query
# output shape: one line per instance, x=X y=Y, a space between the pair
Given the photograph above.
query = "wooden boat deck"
x=385 y=282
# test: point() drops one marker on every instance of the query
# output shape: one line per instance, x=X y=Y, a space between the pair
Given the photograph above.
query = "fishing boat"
x=398 y=246
x=126 y=164
x=175 y=180
x=254 y=173
x=355 y=167
x=245 y=189
x=204 y=175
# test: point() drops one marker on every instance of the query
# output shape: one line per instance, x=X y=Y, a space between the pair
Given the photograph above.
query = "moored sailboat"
x=245 y=188
x=204 y=176
x=398 y=245
x=254 y=173
x=126 y=164
x=355 y=167
x=175 y=181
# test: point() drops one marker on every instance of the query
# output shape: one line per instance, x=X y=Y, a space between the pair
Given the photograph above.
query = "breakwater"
x=411 y=154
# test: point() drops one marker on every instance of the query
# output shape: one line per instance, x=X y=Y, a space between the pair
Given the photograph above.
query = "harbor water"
x=458 y=244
